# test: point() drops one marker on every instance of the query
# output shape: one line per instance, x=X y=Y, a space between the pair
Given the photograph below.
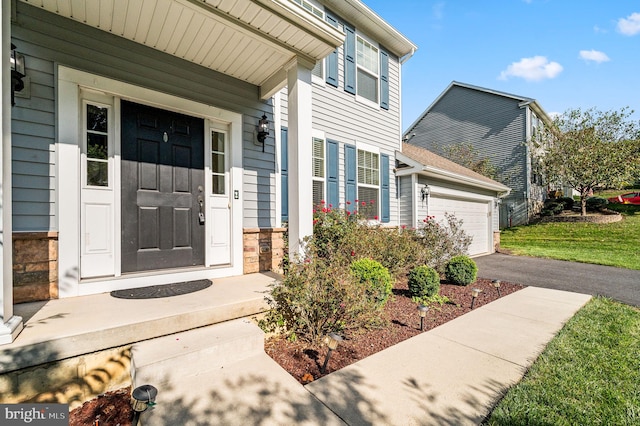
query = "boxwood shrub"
x=461 y=270
x=375 y=277
x=424 y=281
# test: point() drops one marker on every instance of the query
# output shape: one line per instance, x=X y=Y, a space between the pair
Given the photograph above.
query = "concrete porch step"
x=195 y=352
x=220 y=375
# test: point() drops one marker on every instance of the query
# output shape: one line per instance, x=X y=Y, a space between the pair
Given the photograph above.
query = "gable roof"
x=522 y=102
x=425 y=162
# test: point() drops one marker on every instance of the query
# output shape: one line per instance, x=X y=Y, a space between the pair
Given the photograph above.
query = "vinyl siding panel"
x=344 y=118
x=49 y=40
x=404 y=199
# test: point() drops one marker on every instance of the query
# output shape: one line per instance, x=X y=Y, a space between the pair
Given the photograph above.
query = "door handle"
x=200 y=211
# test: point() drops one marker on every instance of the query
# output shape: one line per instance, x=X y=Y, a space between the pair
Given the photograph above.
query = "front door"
x=162 y=189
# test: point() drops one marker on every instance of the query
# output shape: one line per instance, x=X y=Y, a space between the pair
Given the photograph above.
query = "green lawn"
x=613 y=244
x=587 y=375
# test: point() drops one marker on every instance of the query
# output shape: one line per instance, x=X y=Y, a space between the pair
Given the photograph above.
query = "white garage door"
x=475 y=217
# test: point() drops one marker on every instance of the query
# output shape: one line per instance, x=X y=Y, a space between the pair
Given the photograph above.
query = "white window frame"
x=359 y=66
x=319 y=137
x=87 y=100
x=366 y=148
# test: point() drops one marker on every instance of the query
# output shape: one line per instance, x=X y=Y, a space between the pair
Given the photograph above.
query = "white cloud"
x=532 y=69
x=438 y=10
x=594 y=55
x=631 y=25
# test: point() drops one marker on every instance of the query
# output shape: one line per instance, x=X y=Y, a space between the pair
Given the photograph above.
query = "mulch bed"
x=303 y=361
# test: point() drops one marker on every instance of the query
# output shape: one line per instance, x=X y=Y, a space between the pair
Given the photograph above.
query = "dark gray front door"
x=162 y=189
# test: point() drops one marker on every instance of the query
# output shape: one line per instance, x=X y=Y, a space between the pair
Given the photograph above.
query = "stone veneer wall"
x=263 y=249
x=35 y=266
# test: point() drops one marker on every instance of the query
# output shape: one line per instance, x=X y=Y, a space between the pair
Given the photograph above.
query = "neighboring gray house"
x=430 y=185
x=500 y=126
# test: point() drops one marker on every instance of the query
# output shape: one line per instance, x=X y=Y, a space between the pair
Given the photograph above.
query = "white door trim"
x=70 y=82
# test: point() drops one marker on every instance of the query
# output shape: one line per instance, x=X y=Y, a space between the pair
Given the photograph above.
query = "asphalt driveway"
x=619 y=284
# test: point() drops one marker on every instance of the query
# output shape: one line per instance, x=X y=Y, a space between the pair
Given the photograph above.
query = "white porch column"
x=299 y=155
x=10 y=325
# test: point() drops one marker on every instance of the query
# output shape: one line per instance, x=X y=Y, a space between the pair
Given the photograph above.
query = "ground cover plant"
x=613 y=244
x=587 y=375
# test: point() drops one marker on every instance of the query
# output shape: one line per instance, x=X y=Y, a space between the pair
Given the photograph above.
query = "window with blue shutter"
x=385 y=202
x=350 y=60
x=333 y=179
x=384 y=79
x=331 y=61
x=284 y=174
x=350 y=176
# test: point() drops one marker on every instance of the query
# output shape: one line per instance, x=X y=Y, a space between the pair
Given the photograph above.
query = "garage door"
x=475 y=217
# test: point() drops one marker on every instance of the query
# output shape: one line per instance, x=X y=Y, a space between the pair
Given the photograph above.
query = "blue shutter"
x=384 y=79
x=385 y=202
x=350 y=176
x=331 y=61
x=284 y=174
x=333 y=180
x=350 y=60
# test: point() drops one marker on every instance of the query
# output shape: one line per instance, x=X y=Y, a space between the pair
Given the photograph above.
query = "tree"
x=586 y=149
x=466 y=155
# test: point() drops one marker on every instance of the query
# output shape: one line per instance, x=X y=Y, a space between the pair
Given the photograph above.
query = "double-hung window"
x=369 y=182
x=367 y=69
x=318 y=166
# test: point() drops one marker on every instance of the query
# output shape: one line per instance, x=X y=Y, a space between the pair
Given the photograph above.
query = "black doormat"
x=158 y=291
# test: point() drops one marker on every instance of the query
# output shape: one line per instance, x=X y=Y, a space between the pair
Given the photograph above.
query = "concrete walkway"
x=455 y=373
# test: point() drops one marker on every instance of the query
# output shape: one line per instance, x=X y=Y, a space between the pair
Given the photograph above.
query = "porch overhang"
x=252 y=40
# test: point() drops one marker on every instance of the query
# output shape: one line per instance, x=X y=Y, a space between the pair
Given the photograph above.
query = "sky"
x=566 y=54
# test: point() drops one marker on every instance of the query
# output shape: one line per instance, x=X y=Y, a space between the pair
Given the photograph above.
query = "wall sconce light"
x=496 y=284
x=332 y=341
x=424 y=192
x=17 y=72
x=263 y=130
x=474 y=293
x=142 y=398
x=422 y=311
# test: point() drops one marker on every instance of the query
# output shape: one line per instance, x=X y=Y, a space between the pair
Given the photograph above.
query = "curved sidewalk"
x=455 y=373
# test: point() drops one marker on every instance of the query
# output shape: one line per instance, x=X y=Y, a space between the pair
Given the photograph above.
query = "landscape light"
x=496 y=284
x=332 y=341
x=474 y=293
x=422 y=310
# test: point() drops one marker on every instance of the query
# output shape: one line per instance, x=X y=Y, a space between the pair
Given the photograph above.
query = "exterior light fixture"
x=142 y=398
x=332 y=341
x=474 y=293
x=496 y=284
x=422 y=311
x=263 y=130
x=17 y=72
x=424 y=192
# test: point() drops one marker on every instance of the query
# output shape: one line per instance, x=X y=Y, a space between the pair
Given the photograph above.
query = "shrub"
x=315 y=298
x=552 y=207
x=375 y=277
x=461 y=270
x=424 y=281
x=567 y=202
x=442 y=240
x=596 y=203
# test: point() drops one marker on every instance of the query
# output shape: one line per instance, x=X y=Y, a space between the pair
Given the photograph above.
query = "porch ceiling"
x=252 y=40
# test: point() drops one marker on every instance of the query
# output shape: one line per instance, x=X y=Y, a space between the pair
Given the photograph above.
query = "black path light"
x=142 y=398
x=332 y=341
x=496 y=284
x=422 y=311
x=474 y=293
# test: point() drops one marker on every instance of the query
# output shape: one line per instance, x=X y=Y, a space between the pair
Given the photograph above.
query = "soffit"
x=252 y=40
